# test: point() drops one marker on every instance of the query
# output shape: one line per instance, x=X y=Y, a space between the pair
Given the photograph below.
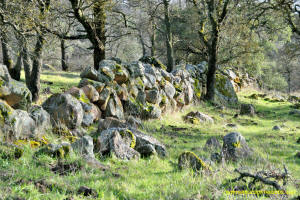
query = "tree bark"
x=169 y=37
x=96 y=30
x=27 y=64
x=152 y=23
x=100 y=19
x=64 y=64
x=16 y=71
x=34 y=85
x=7 y=60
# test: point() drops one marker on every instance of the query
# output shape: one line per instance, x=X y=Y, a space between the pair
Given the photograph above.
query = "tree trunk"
x=16 y=71
x=152 y=37
x=212 y=67
x=27 y=64
x=142 y=43
x=289 y=81
x=100 y=19
x=7 y=60
x=99 y=55
x=169 y=37
x=36 y=68
x=95 y=29
x=64 y=64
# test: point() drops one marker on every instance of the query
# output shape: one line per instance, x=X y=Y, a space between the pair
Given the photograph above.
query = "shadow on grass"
x=65 y=75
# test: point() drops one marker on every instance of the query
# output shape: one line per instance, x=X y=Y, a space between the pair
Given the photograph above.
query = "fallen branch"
x=264 y=177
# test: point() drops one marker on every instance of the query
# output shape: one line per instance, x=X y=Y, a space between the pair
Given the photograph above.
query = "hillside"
x=33 y=177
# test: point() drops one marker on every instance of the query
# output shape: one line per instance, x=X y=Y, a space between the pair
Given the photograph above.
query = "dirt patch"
x=64 y=169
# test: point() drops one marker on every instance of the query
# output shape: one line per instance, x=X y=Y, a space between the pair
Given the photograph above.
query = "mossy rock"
x=191 y=160
x=10 y=152
x=224 y=91
x=128 y=134
x=153 y=61
x=55 y=151
x=5 y=113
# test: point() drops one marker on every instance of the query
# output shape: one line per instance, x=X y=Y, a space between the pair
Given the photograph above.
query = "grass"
x=157 y=178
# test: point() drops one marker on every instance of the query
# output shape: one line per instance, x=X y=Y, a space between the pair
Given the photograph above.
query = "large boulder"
x=15 y=93
x=23 y=126
x=169 y=89
x=89 y=73
x=16 y=124
x=143 y=143
x=91 y=114
x=117 y=141
x=235 y=147
x=153 y=96
x=91 y=93
x=114 y=107
x=41 y=118
x=136 y=69
x=84 y=146
x=224 y=91
x=64 y=109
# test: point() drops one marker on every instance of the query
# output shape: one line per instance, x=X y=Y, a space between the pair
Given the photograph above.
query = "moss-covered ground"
x=31 y=177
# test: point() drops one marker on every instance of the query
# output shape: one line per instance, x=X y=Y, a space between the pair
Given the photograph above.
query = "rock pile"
x=18 y=120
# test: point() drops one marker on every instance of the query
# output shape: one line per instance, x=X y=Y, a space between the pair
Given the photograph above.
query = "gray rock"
x=133 y=122
x=121 y=75
x=151 y=112
x=136 y=69
x=191 y=160
x=197 y=117
x=91 y=114
x=152 y=96
x=19 y=96
x=144 y=140
x=247 y=109
x=91 y=93
x=4 y=74
x=235 y=147
x=89 y=73
x=64 y=109
x=84 y=146
x=97 y=85
x=295 y=112
x=146 y=150
x=213 y=144
x=110 y=122
x=111 y=141
x=23 y=126
x=224 y=92
x=114 y=108
x=169 y=89
x=276 y=128
x=41 y=118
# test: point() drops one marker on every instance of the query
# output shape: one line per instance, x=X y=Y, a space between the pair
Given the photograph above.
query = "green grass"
x=157 y=178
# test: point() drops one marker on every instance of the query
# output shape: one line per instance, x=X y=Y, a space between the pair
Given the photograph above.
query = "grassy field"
x=31 y=177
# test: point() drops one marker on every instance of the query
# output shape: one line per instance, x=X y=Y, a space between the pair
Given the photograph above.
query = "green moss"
x=139 y=82
x=128 y=132
x=83 y=98
x=221 y=85
x=1 y=82
x=237 y=144
x=178 y=87
x=197 y=88
x=200 y=161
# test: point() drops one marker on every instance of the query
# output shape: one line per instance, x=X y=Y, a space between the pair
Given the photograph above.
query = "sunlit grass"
x=157 y=178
